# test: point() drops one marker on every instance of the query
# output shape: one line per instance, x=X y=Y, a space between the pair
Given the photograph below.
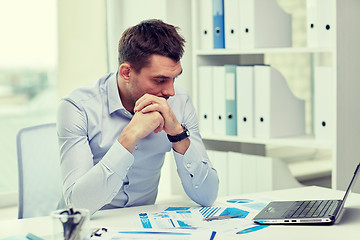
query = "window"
x=28 y=60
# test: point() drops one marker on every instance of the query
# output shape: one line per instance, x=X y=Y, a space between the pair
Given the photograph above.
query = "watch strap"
x=180 y=136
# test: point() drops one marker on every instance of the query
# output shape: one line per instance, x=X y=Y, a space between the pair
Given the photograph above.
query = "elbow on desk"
x=208 y=199
x=205 y=196
x=78 y=201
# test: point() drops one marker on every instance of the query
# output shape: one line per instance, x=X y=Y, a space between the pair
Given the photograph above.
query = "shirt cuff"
x=118 y=159
x=189 y=161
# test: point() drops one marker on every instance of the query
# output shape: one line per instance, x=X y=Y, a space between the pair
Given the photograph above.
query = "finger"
x=160 y=127
x=148 y=99
x=138 y=102
x=155 y=107
x=143 y=102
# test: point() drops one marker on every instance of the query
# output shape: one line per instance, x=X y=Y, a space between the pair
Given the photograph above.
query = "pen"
x=154 y=232
x=252 y=229
x=212 y=235
x=222 y=217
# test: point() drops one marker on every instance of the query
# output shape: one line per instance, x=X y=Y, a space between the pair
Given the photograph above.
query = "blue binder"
x=230 y=100
x=218 y=24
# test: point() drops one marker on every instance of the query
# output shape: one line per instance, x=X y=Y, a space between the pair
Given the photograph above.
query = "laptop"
x=305 y=212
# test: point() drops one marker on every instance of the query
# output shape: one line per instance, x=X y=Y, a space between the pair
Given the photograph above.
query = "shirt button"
x=196 y=186
x=136 y=147
x=188 y=165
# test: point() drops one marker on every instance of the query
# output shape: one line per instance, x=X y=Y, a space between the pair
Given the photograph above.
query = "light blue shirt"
x=99 y=173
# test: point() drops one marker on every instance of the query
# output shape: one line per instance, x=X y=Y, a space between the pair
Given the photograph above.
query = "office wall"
x=83 y=55
x=82 y=43
x=125 y=13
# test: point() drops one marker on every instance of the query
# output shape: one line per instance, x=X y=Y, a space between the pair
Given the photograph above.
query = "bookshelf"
x=343 y=56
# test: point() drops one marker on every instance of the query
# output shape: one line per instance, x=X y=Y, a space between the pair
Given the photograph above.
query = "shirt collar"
x=114 y=100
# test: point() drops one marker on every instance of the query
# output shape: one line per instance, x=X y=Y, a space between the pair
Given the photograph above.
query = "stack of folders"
x=243 y=24
x=252 y=101
x=320 y=22
x=323 y=103
x=243 y=173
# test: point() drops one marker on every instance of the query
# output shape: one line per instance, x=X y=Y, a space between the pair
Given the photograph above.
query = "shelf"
x=262 y=51
x=311 y=169
x=307 y=141
x=337 y=49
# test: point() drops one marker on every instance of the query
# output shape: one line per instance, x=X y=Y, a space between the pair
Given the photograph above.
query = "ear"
x=124 y=71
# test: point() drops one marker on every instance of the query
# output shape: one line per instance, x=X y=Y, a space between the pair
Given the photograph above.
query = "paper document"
x=232 y=217
x=229 y=217
x=129 y=234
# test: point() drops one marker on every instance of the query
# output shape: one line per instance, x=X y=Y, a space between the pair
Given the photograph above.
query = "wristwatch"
x=180 y=136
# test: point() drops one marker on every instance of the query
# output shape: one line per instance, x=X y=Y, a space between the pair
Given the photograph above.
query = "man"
x=114 y=134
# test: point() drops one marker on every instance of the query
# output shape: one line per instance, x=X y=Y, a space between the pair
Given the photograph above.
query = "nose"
x=169 y=90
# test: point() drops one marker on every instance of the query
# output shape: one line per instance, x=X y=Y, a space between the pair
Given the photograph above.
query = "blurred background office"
x=28 y=78
x=50 y=47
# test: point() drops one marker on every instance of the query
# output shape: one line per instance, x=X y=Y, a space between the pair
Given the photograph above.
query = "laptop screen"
x=350 y=187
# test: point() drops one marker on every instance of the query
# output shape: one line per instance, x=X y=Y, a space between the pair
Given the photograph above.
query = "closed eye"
x=159 y=81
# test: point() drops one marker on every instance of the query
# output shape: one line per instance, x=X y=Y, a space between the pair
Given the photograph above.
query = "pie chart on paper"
x=239 y=201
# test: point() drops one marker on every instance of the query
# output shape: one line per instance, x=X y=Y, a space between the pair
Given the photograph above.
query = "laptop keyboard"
x=311 y=209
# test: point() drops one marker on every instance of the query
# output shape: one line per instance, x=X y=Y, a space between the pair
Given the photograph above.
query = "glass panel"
x=28 y=59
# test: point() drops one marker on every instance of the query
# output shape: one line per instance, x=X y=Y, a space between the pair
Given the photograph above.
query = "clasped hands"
x=157 y=115
x=152 y=114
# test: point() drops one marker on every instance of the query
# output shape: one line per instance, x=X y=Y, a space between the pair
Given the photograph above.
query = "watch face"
x=187 y=132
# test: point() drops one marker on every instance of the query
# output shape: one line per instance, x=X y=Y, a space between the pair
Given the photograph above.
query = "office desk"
x=348 y=227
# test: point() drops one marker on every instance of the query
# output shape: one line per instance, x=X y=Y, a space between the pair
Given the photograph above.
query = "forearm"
x=198 y=177
x=181 y=146
x=127 y=139
x=92 y=187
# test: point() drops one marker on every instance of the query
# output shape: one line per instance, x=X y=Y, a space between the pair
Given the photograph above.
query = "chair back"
x=39 y=170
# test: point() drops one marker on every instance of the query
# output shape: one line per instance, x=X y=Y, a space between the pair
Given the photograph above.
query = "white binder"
x=219 y=159
x=249 y=172
x=205 y=99
x=247 y=24
x=264 y=24
x=326 y=22
x=253 y=173
x=232 y=24
x=265 y=173
x=230 y=100
x=206 y=25
x=312 y=24
x=219 y=124
x=273 y=174
x=320 y=23
x=235 y=176
x=278 y=113
x=245 y=101
x=322 y=103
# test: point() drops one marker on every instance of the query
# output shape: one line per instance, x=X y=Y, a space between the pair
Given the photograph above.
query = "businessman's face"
x=157 y=78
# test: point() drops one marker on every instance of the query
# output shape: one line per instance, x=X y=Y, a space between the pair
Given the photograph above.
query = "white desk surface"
x=347 y=228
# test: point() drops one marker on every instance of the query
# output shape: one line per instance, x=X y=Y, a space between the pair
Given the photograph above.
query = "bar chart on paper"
x=208 y=212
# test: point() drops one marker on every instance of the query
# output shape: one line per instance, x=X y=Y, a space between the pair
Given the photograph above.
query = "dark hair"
x=150 y=37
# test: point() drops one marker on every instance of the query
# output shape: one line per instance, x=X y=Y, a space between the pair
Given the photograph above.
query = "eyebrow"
x=167 y=77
